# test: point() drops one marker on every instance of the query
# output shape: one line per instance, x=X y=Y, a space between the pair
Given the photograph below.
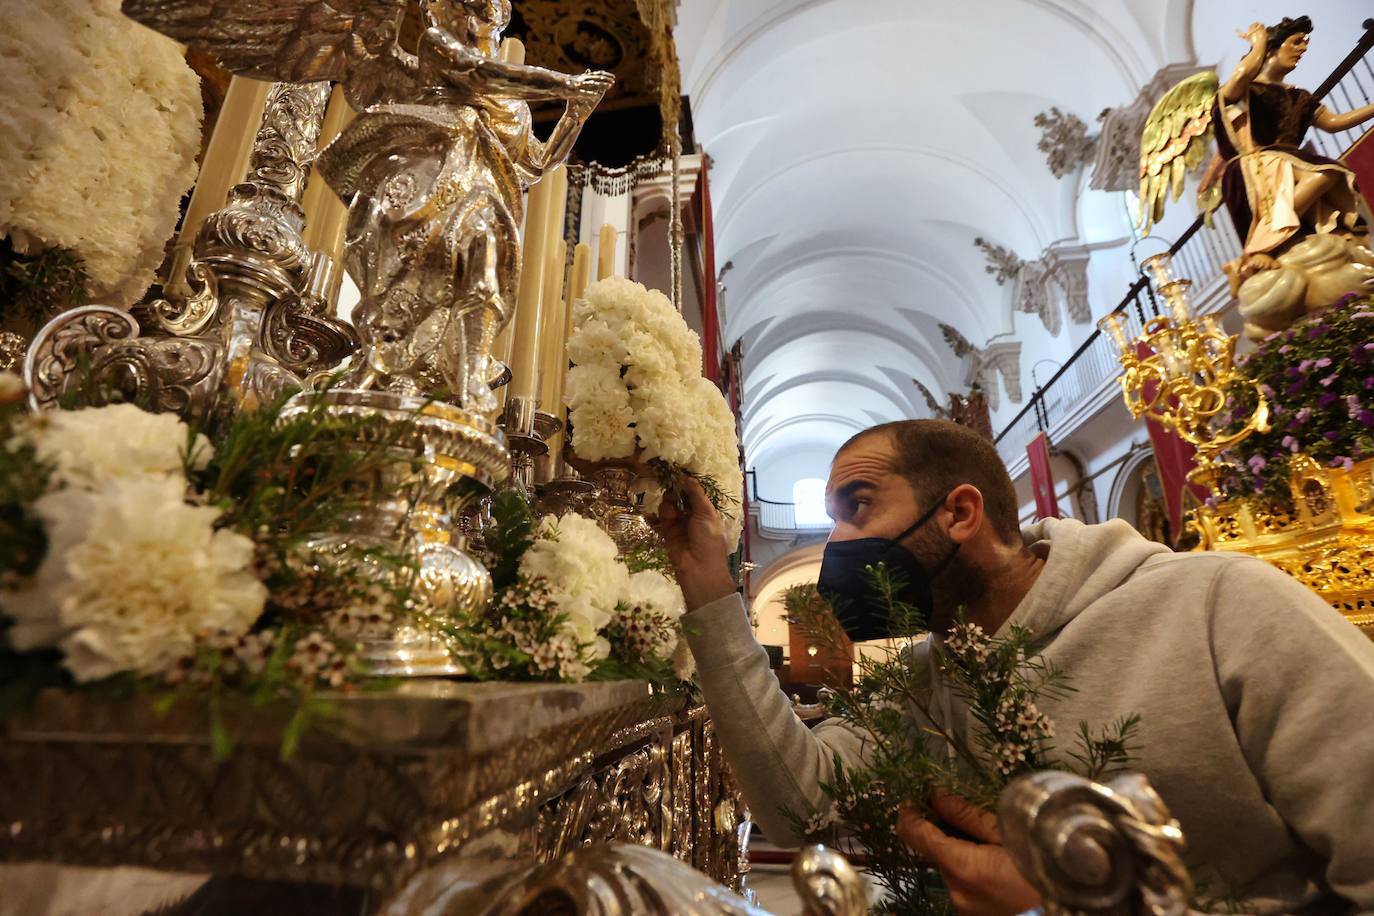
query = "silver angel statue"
x=432 y=168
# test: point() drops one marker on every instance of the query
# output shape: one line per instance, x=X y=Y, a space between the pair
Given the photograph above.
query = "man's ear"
x=965 y=506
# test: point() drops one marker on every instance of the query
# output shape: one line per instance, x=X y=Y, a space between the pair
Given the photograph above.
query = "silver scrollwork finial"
x=1092 y=848
x=827 y=884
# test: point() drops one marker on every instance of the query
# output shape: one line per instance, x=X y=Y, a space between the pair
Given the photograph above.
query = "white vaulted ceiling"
x=858 y=148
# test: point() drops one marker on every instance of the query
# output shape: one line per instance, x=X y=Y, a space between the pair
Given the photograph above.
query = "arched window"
x=808 y=495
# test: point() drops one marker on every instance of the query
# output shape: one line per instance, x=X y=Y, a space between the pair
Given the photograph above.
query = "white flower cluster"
x=968 y=638
x=101 y=128
x=245 y=653
x=636 y=389
x=133 y=572
x=822 y=821
x=1018 y=728
x=579 y=565
x=647 y=621
x=574 y=569
x=315 y=658
x=523 y=619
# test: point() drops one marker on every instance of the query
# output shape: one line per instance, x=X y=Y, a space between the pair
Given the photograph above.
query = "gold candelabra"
x=1180 y=370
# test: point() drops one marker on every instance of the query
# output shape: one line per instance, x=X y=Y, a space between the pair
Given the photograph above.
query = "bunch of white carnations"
x=103 y=126
x=577 y=608
x=135 y=570
x=635 y=391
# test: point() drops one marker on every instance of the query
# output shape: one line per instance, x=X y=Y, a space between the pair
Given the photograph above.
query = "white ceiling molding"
x=859 y=148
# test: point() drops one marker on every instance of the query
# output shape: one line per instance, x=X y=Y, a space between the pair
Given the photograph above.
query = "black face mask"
x=846 y=583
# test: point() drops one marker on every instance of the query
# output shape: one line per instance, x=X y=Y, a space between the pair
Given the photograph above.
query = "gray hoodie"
x=1256 y=698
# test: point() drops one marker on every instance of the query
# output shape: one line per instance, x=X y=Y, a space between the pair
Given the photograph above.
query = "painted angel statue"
x=1304 y=224
x=432 y=168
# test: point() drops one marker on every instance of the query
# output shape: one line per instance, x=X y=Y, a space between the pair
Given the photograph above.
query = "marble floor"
x=771 y=881
x=773 y=886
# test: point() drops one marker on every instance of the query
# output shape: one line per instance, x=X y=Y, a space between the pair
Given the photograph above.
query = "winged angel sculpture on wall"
x=1304 y=224
x=432 y=168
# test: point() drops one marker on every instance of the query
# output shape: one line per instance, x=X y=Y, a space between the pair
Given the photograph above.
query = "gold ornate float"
x=1325 y=542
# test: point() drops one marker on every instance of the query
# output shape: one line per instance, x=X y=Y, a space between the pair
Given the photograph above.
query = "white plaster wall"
x=777 y=475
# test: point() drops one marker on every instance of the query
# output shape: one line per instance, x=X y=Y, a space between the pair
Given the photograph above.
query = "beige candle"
x=553 y=358
x=558 y=206
x=326 y=216
x=551 y=294
x=581 y=276
x=224 y=164
x=605 y=252
x=525 y=336
x=577 y=283
x=512 y=52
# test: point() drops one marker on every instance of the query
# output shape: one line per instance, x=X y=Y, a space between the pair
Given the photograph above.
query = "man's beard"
x=957 y=583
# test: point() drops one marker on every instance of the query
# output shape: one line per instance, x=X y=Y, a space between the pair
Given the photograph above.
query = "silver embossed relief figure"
x=432 y=168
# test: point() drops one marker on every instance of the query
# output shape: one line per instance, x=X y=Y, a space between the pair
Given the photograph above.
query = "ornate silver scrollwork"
x=190 y=315
x=1091 y=848
x=604 y=880
x=99 y=348
x=242 y=326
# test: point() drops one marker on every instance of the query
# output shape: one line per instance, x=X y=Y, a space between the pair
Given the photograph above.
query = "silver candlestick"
x=249 y=327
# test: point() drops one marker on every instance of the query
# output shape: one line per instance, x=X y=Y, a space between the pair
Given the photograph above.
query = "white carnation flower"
x=650 y=588
x=603 y=431
x=131 y=575
x=92 y=447
x=596 y=343
x=579 y=564
x=648 y=355
x=595 y=384
x=637 y=385
x=103 y=127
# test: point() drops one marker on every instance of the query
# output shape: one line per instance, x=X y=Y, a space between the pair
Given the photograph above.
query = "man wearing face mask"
x=1256 y=698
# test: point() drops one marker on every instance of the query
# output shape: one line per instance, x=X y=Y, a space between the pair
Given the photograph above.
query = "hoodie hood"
x=1082 y=563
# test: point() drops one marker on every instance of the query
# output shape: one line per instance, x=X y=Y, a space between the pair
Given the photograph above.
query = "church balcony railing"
x=1086 y=383
x=777 y=520
x=1350 y=86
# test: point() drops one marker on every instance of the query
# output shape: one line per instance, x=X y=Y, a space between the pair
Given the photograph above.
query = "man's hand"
x=981 y=877
x=696 y=544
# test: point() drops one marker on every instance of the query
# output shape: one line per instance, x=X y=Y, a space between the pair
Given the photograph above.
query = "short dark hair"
x=935 y=456
x=1276 y=35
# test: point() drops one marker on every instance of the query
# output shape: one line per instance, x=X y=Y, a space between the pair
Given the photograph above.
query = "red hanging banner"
x=710 y=314
x=1042 y=478
x=1360 y=160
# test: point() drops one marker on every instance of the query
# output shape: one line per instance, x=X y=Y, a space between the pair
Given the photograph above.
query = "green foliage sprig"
x=23 y=478
x=670 y=477
x=35 y=287
x=909 y=747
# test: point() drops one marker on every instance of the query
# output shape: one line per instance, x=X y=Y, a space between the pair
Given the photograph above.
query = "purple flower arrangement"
x=1319 y=379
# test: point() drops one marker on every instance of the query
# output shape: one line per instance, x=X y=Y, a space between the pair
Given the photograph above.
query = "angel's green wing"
x=1176 y=136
